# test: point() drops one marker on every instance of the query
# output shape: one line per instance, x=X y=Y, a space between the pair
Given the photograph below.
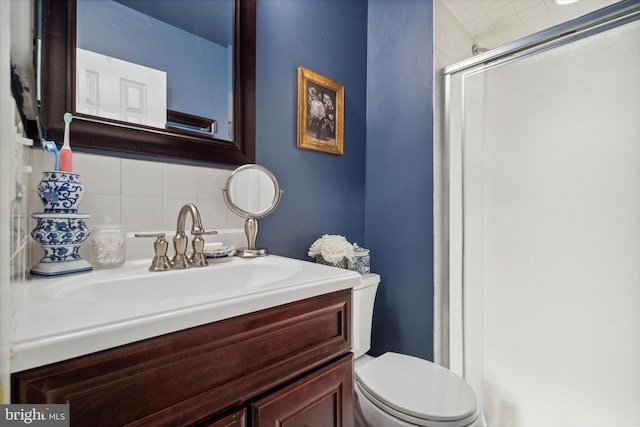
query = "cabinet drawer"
x=188 y=375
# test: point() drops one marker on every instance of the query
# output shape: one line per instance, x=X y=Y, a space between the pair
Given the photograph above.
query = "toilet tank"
x=364 y=296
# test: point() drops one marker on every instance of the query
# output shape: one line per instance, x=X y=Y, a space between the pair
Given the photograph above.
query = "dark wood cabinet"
x=236 y=418
x=323 y=398
x=292 y=356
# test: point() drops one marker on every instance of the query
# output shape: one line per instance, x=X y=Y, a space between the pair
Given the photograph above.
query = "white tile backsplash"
x=234 y=220
x=101 y=206
x=142 y=213
x=144 y=196
x=170 y=208
x=99 y=174
x=179 y=181
x=211 y=182
x=141 y=178
x=40 y=161
x=214 y=214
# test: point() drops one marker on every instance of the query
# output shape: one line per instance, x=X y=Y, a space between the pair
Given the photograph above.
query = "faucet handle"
x=198 y=259
x=160 y=261
x=202 y=232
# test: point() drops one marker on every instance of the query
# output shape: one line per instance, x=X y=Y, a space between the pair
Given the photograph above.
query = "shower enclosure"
x=543 y=147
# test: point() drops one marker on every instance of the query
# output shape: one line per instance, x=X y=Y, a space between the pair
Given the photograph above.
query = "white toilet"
x=400 y=390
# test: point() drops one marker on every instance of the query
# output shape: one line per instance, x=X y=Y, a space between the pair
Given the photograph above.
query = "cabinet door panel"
x=237 y=418
x=321 y=399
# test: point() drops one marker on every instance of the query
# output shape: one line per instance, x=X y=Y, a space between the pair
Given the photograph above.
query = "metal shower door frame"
x=585 y=26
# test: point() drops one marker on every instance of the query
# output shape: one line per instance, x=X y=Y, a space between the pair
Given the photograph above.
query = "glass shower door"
x=545 y=233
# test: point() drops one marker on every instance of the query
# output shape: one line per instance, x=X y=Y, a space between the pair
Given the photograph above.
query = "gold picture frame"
x=320 y=113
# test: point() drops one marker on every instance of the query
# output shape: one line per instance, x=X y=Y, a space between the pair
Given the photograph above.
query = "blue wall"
x=379 y=193
x=386 y=71
x=399 y=170
x=323 y=193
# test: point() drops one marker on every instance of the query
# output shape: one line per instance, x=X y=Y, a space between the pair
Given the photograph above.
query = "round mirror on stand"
x=252 y=192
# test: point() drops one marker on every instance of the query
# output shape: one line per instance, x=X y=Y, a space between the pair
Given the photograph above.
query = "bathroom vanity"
x=289 y=360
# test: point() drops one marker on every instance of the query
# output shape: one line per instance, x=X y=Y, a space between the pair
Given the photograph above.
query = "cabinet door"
x=237 y=418
x=321 y=399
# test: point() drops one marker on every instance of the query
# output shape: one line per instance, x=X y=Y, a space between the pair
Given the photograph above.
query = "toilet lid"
x=416 y=389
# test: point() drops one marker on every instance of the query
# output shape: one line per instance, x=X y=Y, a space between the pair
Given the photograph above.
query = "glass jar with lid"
x=108 y=244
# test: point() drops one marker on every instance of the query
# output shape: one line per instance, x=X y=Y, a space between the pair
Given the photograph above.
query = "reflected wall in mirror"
x=252 y=192
x=121 y=74
x=189 y=96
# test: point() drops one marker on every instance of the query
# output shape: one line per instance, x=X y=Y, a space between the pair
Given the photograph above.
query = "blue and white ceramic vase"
x=61 y=230
x=60 y=192
x=361 y=259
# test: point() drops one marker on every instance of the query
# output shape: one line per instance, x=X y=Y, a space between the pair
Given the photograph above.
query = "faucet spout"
x=195 y=218
x=180 y=259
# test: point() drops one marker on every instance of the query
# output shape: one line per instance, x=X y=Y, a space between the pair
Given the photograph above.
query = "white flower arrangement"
x=333 y=248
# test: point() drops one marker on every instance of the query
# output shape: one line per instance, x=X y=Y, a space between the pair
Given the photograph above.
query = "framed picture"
x=320 y=113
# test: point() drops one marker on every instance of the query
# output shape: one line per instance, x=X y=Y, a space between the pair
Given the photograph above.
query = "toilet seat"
x=417 y=391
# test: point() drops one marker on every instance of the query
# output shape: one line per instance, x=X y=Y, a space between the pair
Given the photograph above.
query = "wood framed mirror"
x=104 y=135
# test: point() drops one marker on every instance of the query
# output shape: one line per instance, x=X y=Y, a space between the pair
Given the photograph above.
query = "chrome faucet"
x=180 y=240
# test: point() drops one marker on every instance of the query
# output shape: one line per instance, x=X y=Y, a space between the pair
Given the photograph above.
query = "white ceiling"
x=495 y=22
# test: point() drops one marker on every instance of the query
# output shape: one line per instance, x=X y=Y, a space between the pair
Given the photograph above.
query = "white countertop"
x=52 y=326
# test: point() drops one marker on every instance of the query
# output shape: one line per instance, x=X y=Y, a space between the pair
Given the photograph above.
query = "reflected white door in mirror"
x=120 y=90
x=252 y=192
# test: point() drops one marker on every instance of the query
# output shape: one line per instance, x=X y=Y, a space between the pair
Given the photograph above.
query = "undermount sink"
x=220 y=280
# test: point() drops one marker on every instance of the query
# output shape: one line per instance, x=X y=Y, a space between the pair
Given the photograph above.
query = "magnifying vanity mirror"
x=252 y=192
